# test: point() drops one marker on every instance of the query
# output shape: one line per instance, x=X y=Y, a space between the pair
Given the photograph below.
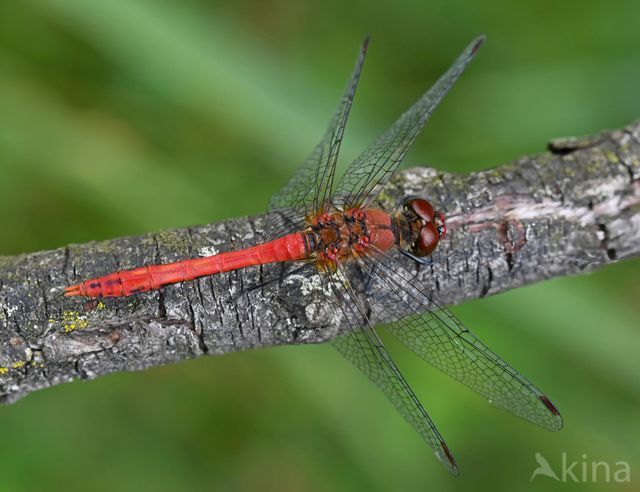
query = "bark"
x=572 y=209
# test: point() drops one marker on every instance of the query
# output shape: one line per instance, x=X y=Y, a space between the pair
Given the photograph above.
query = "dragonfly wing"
x=364 y=349
x=309 y=189
x=376 y=164
x=425 y=326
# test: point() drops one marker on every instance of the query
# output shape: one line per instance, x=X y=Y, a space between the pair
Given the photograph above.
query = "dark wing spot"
x=549 y=405
x=445 y=448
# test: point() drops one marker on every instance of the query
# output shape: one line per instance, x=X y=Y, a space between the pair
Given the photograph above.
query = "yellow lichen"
x=612 y=157
x=17 y=364
x=71 y=320
x=3 y=370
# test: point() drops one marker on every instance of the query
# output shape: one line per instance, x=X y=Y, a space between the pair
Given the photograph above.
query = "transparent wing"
x=364 y=349
x=309 y=189
x=376 y=164
x=425 y=326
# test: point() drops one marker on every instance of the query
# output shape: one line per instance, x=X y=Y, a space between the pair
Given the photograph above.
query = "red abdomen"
x=127 y=282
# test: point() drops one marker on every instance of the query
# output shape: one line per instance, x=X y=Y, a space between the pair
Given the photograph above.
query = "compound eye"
x=422 y=208
x=427 y=240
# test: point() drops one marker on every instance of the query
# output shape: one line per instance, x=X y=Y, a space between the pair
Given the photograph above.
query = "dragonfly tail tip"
x=71 y=291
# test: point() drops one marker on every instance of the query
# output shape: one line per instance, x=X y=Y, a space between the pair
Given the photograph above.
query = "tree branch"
x=572 y=209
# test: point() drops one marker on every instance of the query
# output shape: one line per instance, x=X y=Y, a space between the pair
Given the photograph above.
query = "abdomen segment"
x=127 y=282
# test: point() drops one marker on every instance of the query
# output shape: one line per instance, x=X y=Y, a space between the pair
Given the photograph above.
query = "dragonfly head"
x=431 y=226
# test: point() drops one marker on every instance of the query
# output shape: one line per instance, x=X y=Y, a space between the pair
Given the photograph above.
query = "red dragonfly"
x=352 y=250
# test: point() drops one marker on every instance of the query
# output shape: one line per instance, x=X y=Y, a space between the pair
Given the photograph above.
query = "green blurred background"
x=123 y=117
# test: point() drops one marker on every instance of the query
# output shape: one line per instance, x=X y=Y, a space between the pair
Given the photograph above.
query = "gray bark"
x=569 y=210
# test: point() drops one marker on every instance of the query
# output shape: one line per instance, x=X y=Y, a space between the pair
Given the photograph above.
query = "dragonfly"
x=339 y=238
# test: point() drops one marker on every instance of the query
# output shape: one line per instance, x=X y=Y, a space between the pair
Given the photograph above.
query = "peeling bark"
x=569 y=210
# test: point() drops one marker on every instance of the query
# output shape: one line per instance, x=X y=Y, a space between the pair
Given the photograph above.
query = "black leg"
x=420 y=260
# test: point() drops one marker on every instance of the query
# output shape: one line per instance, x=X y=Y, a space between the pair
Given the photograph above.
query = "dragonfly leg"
x=420 y=260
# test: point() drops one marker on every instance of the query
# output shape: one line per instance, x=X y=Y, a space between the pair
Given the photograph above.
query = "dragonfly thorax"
x=334 y=238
